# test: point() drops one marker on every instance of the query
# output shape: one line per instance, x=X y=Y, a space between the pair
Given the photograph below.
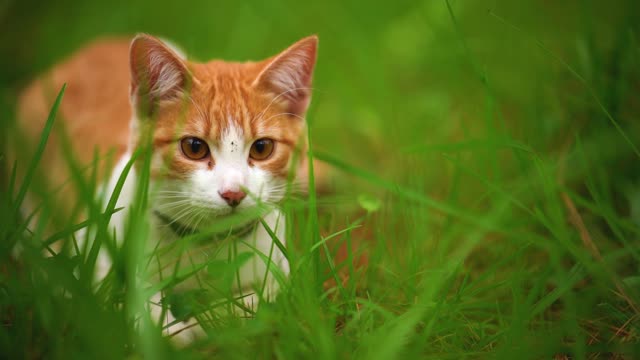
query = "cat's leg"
x=262 y=275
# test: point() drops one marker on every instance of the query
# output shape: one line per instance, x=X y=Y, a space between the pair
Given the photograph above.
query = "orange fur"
x=96 y=111
x=94 y=115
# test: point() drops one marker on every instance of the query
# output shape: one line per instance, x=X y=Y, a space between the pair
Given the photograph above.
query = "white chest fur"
x=261 y=272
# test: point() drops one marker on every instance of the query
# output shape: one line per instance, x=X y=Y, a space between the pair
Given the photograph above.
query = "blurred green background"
x=384 y=69
x=389 y=76
x=468 y=122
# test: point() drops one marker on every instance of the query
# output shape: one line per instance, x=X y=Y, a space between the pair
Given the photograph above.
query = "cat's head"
x=223 y=134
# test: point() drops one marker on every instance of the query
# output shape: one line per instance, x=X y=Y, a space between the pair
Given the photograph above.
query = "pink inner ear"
x=288 y=76
x=156 y=72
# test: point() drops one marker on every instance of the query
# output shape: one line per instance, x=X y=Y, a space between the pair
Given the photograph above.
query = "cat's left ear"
x=288 y=75
x=158 y=73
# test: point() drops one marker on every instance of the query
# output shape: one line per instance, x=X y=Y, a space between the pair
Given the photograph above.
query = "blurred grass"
x=473 y=126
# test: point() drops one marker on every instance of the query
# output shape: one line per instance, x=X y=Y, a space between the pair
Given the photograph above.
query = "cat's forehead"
x=223 y=101
x=224 y=77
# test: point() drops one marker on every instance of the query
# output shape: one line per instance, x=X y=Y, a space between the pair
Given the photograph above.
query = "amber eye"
x=194 y=148
x=261 y=149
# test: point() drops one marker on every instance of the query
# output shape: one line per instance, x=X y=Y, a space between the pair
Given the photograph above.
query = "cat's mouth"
x=182 y=230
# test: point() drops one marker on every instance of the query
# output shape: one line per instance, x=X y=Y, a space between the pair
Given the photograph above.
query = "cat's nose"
x=232 y=198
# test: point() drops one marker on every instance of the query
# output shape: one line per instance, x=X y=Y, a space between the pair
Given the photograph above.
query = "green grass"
x=486 y=164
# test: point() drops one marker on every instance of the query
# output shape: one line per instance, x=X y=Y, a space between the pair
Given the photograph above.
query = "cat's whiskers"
x=272 y=194
x=203 y=215
x=171 y=197
x=171 y=192
x=294 y=184
x=294 y=187
x=197 y=219
x=170 y=206
x=194 y=215
x=186 y=212
x=181 y=99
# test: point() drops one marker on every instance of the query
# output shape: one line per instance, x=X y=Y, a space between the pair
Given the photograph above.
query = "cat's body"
x=222 y=136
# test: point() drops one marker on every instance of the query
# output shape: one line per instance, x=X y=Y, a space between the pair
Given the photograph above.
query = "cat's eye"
x=261 y=149
x=194 y=148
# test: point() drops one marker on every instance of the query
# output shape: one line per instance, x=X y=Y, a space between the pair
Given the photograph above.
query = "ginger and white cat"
x=223 y=137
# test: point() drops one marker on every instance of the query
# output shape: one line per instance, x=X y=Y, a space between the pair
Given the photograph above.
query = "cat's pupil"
x=260 y=145
x=195 y=146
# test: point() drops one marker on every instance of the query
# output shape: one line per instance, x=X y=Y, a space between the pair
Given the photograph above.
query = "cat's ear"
x=158 y=73
x=288 y=75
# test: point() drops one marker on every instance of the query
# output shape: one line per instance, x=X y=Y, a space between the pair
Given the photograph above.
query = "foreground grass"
x=488 y=205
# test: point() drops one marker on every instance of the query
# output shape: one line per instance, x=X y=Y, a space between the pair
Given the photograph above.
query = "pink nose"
x=232 y=198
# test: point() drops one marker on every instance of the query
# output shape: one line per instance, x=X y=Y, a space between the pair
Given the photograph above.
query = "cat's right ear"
x=158 y=74
x=287 y=76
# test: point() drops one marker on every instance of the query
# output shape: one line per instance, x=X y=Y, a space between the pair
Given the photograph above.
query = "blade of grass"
x=406 y=193
x=579 y=77
x=31 y=169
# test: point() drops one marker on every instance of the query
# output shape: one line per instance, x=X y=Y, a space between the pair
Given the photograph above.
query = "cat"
x=223 y=137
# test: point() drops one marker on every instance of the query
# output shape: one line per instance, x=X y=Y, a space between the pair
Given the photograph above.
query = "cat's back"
x=95 y=110
x=94 y=114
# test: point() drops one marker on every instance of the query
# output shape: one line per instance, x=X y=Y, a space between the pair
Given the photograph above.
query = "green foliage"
x=485 y=160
